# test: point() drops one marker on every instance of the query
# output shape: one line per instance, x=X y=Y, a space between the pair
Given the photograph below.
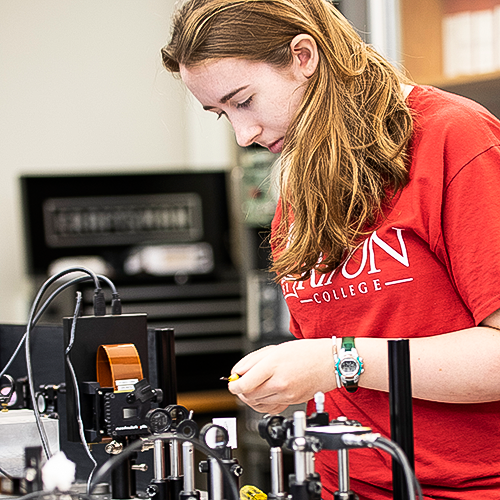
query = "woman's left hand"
x=275 y=377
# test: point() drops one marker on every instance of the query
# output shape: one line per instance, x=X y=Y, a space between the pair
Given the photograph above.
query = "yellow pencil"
x=231 y=378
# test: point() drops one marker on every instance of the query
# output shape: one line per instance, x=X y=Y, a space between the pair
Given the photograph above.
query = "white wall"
x=82 y=89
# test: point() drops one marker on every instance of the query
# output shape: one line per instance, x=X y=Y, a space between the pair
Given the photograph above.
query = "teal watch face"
x=349 y=367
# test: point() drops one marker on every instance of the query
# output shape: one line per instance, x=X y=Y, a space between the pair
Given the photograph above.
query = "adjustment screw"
x=237 y=470
x=114 y=448
x=299 y=444
x=151 y=490
x=316 y=445
x=314 y=487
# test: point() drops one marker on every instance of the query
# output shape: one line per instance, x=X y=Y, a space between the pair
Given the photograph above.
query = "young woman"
x=388 y=226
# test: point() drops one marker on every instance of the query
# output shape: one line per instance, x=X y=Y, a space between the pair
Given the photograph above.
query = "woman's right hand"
x=274 y=377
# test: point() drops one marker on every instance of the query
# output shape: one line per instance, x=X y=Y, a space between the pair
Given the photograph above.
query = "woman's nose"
x=246 y=134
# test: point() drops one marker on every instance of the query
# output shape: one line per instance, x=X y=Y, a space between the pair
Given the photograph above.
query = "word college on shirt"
x=324 y=289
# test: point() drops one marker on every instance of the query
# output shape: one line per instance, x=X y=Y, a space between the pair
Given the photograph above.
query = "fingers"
x=273 y=377
x=252 y=388
x=244 y=364
x=251 y=379
x=263 y=406
x=258 y=381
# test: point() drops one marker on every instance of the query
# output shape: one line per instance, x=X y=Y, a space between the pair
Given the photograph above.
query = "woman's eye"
x=220 y=115
x=244 y=104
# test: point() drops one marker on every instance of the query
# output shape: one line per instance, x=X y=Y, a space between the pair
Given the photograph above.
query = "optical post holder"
x=271 y=428
x=216 y=438
x=177 y=420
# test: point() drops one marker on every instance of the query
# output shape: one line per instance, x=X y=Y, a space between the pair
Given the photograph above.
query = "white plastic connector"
x=319 y=401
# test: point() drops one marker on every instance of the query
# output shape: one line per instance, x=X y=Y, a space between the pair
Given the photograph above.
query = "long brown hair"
x=344 y=151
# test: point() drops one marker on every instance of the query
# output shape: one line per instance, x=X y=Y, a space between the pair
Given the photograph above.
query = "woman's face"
x=258 y=99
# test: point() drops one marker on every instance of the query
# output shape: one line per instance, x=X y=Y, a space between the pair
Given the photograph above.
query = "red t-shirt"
x=433 y=267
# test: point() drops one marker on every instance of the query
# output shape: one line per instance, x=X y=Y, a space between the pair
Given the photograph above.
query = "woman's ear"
x=305 y=54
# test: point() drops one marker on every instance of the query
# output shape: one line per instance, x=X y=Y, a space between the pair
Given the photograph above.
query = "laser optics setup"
x=110 y=402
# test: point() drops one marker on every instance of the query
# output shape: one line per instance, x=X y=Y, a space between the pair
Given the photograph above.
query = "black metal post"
x=167 y=382
x=121 y=480
x=165 y=364
x=401 y=410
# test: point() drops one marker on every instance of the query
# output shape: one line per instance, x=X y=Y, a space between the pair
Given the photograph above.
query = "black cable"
x=54 y=294
x=116 y=304
x=6 y=474
x=41 y=430
x=43 y=289
x=99 y=303
x=59 y=275
x=113 y=462
x=372 y=440
x=99 y=309
x=398 y=454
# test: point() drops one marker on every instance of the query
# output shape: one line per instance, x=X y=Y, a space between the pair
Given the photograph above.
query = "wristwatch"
x=348 y=364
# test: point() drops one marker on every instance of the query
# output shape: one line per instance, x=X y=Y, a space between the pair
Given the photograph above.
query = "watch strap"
x=351 y=386
x=347 y=343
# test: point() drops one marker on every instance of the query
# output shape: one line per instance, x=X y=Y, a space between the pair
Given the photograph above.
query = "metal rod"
x=216 y=480
x=309 y=458
x=159 y=460
x=277 y=480
x=175 y=459
x=188 y=467
x=343 y=457
x=299 y=429
x=401 y=410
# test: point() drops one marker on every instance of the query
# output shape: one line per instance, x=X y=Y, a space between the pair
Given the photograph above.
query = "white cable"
x=77 y=391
